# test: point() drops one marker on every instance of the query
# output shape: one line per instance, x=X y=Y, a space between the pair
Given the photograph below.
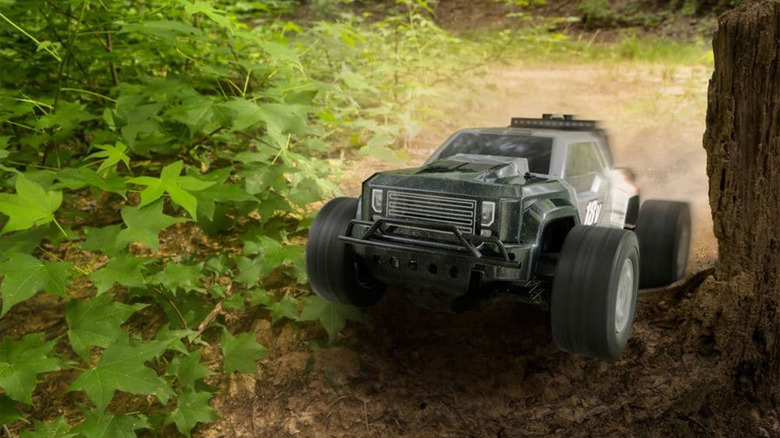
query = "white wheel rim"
x=625 y=296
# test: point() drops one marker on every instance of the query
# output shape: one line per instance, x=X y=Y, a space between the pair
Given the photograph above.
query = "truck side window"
x=582 y=164
x=583 y=159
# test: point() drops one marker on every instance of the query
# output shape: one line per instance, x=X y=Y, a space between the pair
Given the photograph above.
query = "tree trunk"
x=740 y=306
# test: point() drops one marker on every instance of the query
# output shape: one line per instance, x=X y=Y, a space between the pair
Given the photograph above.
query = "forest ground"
x=496 y=373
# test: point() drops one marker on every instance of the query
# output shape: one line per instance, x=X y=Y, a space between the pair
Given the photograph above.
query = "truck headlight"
x=488 y=213
x=377 y=198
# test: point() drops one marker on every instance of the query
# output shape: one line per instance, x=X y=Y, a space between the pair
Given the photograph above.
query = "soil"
x=495 y=373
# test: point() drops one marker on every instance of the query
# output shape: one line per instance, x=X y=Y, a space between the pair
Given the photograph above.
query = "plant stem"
x=175 y=309
x=60 y=227
x=15 y=26
x=112 y=66
x=80 y=90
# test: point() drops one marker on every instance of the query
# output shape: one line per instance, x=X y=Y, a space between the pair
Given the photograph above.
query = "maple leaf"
x=188 y=369
x=286 y=308
x=191 y=408
x=26 y=241
x=144 y=224
x=171 y=339
x=58 y=428
x=25 y=276
x=20 y=363
x=250 y=270
x=30 y=206
x=258 y=296
x=101 y=424
x=125 y=270
x=241 y=352
x=102 y=239
x=177 y=186
x=8 y=412
x=332 y=316
x=121 y=368
x=76 y=178
x=275 y=254
x=96 y=322
x=111 y=155
x=219 y=192
x=180 y=276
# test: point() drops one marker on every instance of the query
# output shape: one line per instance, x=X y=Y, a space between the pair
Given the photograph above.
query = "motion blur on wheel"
x=335 y=273
x=534 y=212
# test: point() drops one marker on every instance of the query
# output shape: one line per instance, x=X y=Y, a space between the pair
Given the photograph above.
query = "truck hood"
x=483 y=168
x=483 y=176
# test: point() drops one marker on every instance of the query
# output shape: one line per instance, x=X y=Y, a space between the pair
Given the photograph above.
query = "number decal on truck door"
x=592 y=213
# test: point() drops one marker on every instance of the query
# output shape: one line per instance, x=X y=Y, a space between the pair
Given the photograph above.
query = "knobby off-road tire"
x=594 y=291
x=335 y=273
x=664 y=233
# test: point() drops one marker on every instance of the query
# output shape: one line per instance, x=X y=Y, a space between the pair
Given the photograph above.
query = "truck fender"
x=547 y=216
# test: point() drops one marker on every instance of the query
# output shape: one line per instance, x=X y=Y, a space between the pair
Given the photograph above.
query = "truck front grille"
x=431 y=208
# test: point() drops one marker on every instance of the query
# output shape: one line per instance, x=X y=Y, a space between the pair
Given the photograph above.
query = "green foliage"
x=144 y=224
x=188 y=369
x=124 y=269
x=111 y=155
x=241 y=353
x=30 y=206
x=102 y=239
x=121 y=367
x=332 y=316
x=20 y=363
x=178 y=187
x=8 y=411
x=191 y=408
x=101 y=424
x=25 y=275
x=160 y=160
x=56 y=429
x=597 y=11
x=96 y=322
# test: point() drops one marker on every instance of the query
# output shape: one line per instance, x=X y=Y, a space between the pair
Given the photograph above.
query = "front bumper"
x=449 y=261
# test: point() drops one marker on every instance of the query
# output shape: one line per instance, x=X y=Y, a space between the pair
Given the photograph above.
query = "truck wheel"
x=594 y=291
x=335 y=272
x=664 y=233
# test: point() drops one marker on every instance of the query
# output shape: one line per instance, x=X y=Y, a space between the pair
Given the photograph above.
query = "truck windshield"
x=537 y=150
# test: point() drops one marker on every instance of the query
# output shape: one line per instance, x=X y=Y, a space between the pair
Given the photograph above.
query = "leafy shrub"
x=159 y=161
x=596 y=12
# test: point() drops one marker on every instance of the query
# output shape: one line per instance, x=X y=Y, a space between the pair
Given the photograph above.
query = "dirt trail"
x=417 y=373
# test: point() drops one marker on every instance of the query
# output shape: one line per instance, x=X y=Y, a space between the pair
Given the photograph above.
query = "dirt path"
x=416 y=373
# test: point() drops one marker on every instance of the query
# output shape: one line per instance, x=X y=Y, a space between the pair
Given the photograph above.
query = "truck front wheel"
x=594 y=291
x=335 y=273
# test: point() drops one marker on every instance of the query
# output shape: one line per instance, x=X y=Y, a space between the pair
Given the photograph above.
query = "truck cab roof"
x=545 y=147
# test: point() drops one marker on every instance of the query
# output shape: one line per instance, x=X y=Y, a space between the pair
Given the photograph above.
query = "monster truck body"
x=488 y=207
x=535 y=212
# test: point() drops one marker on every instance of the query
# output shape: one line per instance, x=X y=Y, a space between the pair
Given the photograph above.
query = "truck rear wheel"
x=335 y=273
x=594 y=291
x=664 y=232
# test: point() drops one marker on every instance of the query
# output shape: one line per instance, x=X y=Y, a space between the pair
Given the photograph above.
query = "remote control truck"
x=535 y=212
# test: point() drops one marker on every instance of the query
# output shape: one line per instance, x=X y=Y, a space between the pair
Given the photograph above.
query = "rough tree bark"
x=740 y=306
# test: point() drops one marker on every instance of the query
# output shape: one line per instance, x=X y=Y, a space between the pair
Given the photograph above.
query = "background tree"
x=740 y=305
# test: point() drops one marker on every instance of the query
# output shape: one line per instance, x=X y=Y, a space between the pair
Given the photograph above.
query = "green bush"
x=158 y=165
